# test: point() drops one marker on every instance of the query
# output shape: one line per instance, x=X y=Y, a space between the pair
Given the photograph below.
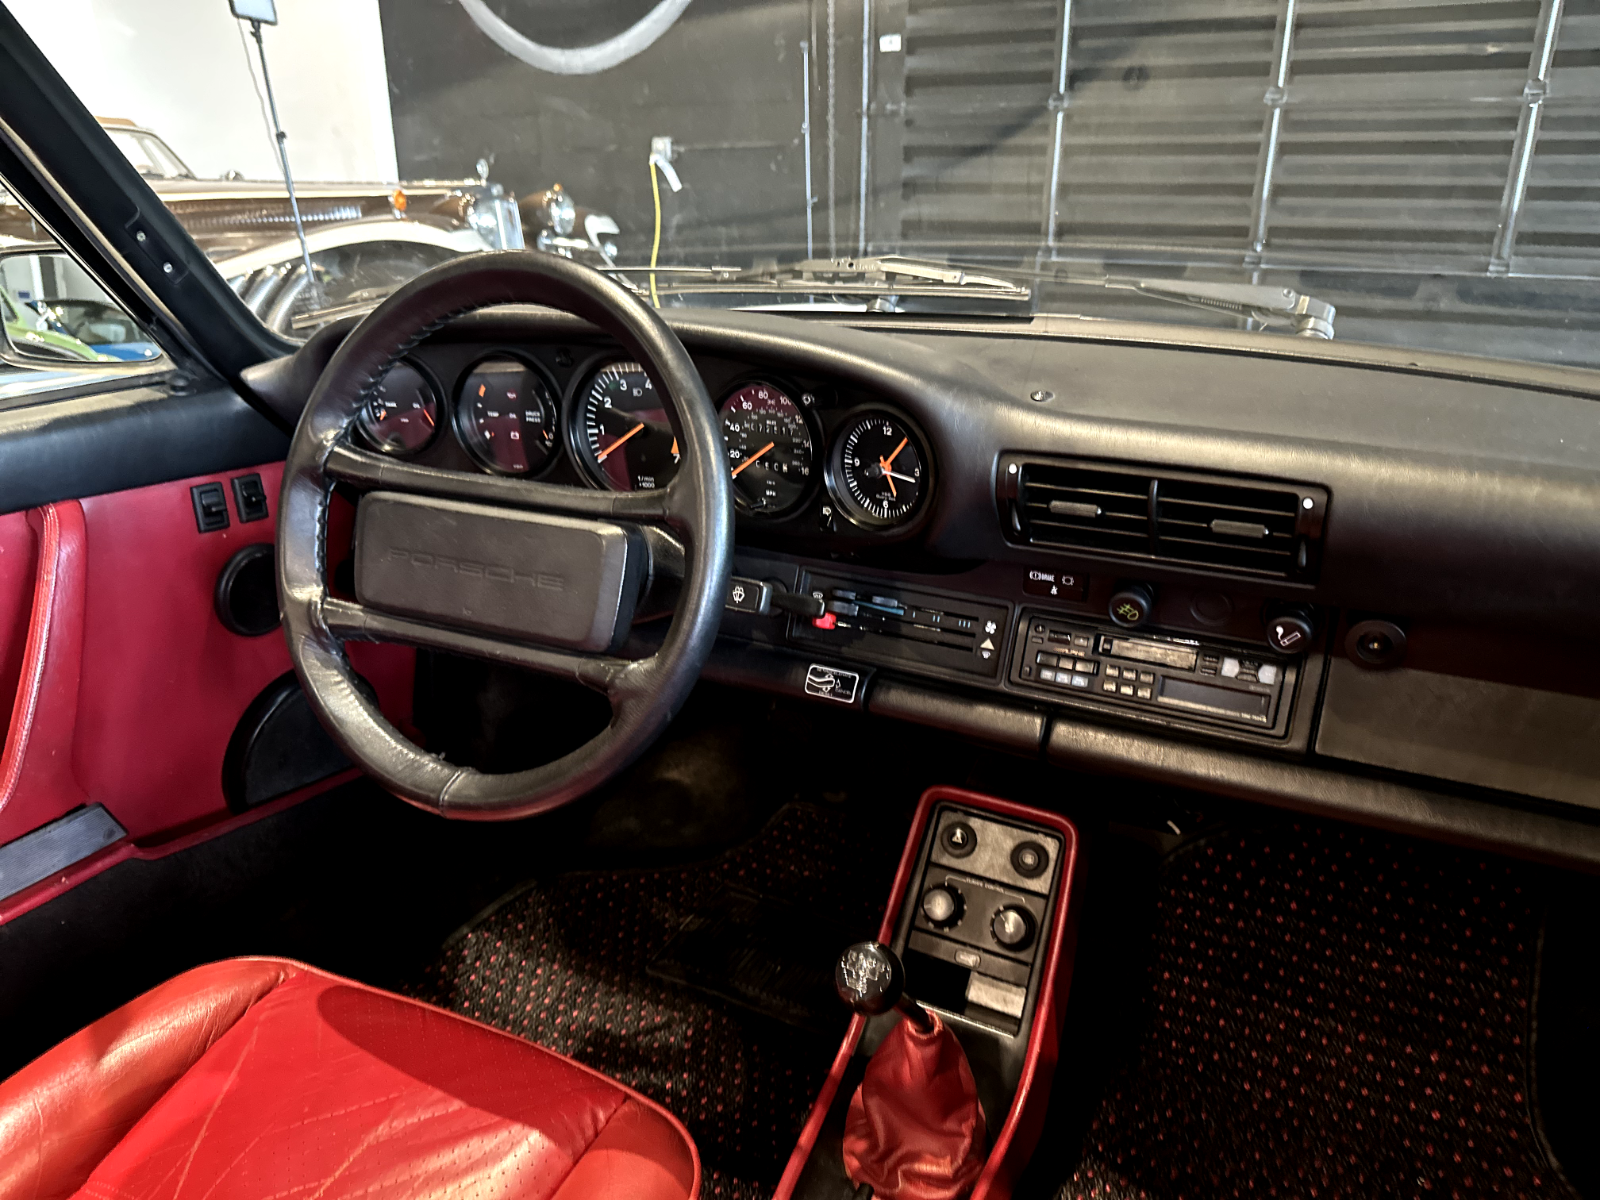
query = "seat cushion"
x=260 y=1078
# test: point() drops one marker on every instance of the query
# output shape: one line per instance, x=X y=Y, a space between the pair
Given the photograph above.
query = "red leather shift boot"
x=915 y=1129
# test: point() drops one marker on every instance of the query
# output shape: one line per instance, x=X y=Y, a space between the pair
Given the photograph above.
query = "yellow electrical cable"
x=655 y=242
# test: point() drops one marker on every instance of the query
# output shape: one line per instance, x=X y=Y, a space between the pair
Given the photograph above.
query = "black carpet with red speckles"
x=563 y=963
x=1334 y=1014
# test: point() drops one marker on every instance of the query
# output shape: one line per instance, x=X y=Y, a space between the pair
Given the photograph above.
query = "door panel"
x=127 y=687
x=37 y=783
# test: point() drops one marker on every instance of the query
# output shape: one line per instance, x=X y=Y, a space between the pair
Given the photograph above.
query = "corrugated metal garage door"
x=1334 y=135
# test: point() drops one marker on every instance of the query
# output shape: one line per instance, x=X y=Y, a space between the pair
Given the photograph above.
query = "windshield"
x=1415 y=173
x=150 y=156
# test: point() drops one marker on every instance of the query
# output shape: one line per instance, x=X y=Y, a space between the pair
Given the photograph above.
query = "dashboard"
x=1337 y=578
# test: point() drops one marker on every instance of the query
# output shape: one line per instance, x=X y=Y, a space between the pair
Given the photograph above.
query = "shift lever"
x=914 y=1129
x=871 y=980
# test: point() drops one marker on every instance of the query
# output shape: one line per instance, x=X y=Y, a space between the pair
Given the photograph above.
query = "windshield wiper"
x=1257 y=302
x=879 y=280
x=883 y=279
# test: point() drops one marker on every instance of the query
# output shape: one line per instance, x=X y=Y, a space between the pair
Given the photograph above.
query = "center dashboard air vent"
x=1263 y=528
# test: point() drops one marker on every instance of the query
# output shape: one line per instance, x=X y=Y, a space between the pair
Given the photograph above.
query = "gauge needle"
x=601 y=457
x=888 y=475
x=752 y=458
x=889 y=462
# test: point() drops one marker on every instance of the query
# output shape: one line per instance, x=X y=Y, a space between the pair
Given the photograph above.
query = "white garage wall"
x=181 y=68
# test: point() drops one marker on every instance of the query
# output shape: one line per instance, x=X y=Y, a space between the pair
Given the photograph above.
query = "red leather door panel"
x=126 y=684
x=37 y=784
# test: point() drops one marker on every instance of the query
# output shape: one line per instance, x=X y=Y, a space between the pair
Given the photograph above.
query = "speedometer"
x=769 y=448
x=623 y=435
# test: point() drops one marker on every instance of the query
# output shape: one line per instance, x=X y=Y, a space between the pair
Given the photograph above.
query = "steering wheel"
x=531 y=574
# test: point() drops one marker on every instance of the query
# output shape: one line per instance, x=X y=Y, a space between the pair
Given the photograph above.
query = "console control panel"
x=981 y=913
x=1148 y=671
x=883 y=624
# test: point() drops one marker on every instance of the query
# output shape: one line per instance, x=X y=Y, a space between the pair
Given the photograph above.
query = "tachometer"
x=623 y=435
x=876 y=469
x=507 y=416
x=402 y=415
x=769 y=448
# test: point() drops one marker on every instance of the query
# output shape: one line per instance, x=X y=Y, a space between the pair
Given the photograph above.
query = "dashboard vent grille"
x=1241 y=526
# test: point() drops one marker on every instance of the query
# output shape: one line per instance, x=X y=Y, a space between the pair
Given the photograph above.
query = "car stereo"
x=1170 y=675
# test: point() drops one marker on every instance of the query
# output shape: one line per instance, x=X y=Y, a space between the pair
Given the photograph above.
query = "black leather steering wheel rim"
x=696 y=507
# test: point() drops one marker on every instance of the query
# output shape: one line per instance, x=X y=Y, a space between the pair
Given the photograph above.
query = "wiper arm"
x=1267 y=305
x=881 y=279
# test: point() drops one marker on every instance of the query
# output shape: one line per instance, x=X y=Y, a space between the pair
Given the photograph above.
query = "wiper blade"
x=881 y=279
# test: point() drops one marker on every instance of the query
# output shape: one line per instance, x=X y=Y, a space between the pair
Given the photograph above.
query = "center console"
x=981 y=916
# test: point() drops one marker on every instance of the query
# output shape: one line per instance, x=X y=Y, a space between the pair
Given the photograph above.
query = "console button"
x=1029 y=859
x=958 y=839
x=943 y=906
x=1013 y=927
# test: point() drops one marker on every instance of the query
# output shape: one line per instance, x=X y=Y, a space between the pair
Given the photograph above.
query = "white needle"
x=902 y=478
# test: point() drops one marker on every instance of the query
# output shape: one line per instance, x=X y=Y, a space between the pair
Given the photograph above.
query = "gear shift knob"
x=871 y=980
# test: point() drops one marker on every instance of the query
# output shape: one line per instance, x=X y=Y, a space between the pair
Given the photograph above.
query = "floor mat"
x=565 y=962
x=1334 y=1014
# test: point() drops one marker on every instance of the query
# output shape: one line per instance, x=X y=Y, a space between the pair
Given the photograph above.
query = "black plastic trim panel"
x=1382 y=803
x=113 y=441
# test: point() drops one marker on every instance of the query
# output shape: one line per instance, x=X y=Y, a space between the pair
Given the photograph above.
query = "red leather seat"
x=261 y=1077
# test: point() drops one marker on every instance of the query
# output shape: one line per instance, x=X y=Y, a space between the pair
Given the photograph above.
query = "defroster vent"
x=1263 y=528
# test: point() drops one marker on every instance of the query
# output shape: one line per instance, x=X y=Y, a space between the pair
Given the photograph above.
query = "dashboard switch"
x=1132 y=604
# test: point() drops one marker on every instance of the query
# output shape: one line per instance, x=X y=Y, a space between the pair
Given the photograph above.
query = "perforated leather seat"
x=261 y=1077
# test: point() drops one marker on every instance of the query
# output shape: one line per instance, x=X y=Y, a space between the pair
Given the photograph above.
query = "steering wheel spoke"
x=377 y=472
x=350 y=621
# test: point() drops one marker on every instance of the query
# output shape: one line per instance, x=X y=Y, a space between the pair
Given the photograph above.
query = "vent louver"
x=1252 y=527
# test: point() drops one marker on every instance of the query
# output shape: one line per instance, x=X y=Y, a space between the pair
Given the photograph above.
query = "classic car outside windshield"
x=1428 y=170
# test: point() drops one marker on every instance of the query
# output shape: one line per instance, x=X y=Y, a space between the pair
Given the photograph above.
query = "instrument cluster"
x=792 y=450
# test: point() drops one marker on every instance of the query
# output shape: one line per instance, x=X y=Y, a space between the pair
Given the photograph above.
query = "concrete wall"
x=183 y=68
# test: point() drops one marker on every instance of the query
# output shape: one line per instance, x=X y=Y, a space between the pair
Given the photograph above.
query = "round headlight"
x=560 y=213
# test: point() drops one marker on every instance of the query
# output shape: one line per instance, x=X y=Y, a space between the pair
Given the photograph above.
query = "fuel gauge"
x=402 y=414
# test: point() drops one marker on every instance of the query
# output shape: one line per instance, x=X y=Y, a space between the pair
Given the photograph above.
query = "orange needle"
x=674 y=447
x=601 y=457
x=888 y=478
x=889 y=462
x=752 y=458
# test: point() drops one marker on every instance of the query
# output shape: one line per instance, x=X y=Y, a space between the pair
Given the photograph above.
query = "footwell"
x=564 y=963
x=1333 y=1013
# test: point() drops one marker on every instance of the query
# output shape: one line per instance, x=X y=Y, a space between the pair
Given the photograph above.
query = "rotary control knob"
x=1132 y=604
x=1013 y=927
x=943 y=906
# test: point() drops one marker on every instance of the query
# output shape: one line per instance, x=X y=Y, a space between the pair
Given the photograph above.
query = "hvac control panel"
x=882 y=624
x=1149 y=672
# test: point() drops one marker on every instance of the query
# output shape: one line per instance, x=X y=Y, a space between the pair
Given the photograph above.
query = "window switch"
x=250 y=498
x=210 y=506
